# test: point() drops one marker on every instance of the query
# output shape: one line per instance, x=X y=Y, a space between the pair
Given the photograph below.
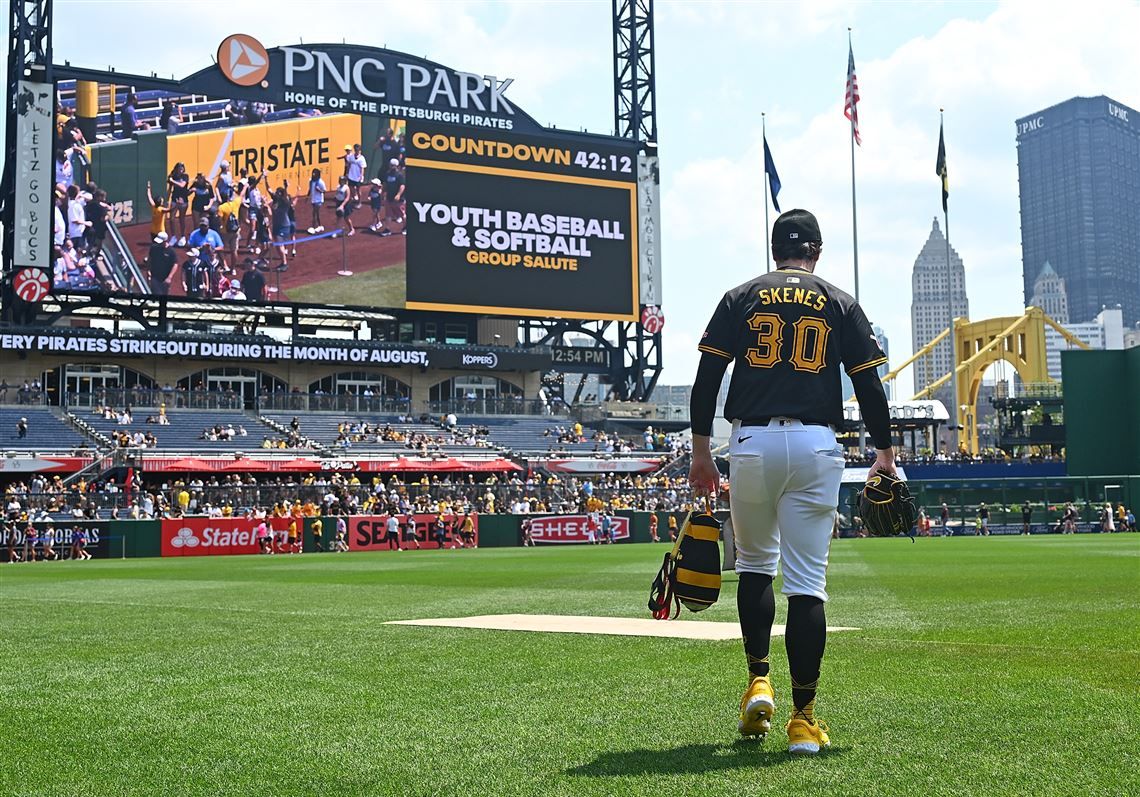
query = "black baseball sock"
x=756 y=603
x=804 y=639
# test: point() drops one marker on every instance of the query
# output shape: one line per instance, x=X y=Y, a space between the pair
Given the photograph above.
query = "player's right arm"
x=716 y=346
x=703 y=475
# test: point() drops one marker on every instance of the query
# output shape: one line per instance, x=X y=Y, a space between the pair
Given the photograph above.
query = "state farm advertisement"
x=369 y=532
x=573 y=529
x=208 y=536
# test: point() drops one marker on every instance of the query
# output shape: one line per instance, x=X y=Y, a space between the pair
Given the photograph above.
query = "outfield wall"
x=187 y=537
x=147 y=538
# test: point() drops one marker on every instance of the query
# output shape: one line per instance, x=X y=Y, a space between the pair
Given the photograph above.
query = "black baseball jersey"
x=789 y=332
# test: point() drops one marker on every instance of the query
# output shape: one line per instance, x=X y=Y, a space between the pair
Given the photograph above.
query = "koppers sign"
x=572 y=528
x=208 y=536
x=369 y=532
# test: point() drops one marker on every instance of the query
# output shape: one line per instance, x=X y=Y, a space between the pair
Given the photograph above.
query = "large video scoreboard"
x=407 y=185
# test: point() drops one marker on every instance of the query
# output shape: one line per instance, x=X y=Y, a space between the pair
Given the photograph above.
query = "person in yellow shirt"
x=318 y=529
x=183 y=500
x=158 y=212
x=278 y=524
x=227 y=510
x=294 y=545
x=467 y=530
x=230 y=224
x=673 y=528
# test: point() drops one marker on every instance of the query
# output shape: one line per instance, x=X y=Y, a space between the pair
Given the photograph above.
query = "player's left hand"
x=703 y=476
x=884 y=462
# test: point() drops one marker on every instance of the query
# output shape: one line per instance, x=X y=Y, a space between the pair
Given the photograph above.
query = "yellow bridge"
x=1019 y=341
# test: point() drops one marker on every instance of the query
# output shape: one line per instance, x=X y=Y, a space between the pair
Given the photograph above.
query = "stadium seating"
x=527 y=435
x=184 y=432
x=321 y=427
x=46 y=431
x=198 y=113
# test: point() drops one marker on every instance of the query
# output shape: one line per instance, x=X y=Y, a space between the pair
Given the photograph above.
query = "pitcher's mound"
x=619 y=626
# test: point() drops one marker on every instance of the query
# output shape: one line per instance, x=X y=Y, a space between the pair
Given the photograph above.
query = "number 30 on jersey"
x=809 y=342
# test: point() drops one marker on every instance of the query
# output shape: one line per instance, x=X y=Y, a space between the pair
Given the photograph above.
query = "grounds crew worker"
x=787 y=333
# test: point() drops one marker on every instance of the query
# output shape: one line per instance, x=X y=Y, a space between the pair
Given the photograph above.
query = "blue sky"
x=719 y=65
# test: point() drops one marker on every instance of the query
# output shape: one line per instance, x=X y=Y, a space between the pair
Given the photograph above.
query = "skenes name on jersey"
x=789 y=332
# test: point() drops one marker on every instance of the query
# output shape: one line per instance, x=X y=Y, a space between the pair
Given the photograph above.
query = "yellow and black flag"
x=940 y=168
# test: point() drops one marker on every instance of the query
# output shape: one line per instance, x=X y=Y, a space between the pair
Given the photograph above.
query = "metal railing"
x=501 y=405
x=1039 y=390
x=17 y=395
x=559 y=498
x=142 y=397
x=332 y=402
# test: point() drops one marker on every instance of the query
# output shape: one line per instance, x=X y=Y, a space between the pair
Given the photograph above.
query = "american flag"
x=851 y=104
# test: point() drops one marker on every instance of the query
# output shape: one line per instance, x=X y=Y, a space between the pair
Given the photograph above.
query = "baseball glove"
x=690 y=573
x=887 y=507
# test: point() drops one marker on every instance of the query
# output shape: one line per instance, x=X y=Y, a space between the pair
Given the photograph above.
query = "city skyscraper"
x=1078 y=166
x=1049 y=294
x=929 y=310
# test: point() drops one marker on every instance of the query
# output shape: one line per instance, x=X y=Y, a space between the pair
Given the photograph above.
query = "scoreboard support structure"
x=635 y=360
x=29 y=58
x=635 y=117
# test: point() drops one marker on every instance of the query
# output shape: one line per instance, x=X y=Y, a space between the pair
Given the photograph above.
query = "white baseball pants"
x=784 y=488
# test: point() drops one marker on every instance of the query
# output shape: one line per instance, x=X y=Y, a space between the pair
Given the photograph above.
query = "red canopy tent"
x=299 y=464
x=448 y=464
x=245 y=464
x=491 y=465
x=182 y=463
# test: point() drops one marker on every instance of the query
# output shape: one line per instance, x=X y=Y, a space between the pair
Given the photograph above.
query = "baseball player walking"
x=788 y=333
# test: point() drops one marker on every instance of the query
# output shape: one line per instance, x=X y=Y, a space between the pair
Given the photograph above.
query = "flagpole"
x=950 y=297
x=764 y=142
x=855 y=245
x=854 y=214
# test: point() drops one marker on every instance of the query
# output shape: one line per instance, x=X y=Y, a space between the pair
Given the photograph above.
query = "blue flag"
x=773 y=178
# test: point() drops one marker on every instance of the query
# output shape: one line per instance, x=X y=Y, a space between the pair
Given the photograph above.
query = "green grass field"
x=380 y=287
x=993 y=666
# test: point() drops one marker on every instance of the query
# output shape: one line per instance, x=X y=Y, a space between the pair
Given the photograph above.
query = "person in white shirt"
x=317 y=190
x=355 y=165
x=59 y=223
x=77 y=222
x=234 y=293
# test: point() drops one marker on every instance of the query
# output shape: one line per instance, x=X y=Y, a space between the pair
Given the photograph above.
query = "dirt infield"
x=316 y=265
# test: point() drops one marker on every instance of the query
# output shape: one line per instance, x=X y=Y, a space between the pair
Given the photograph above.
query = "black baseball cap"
x=796 y=226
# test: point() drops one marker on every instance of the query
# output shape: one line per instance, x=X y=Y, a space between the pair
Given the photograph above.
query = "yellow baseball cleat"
x=757 y=707
x=806 y=736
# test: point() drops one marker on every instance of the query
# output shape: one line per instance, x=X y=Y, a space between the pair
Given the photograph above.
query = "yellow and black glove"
x=690 y=573
x=886 y=506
